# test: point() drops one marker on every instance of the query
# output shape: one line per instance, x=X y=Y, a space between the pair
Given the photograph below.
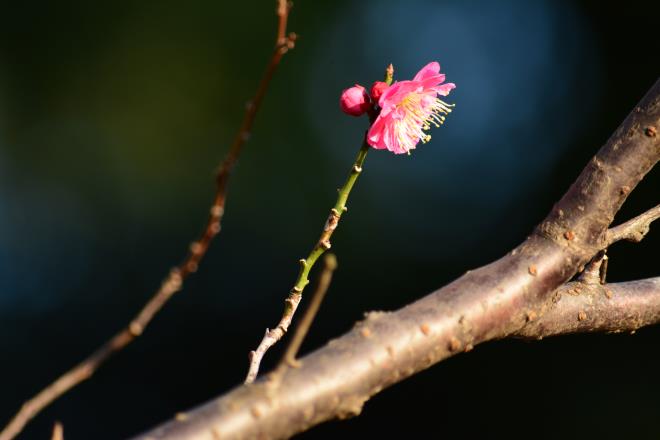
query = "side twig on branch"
x=492 y=302
x=272 y=336
x=329 y=266
x=58 y=432
x=174 y=281
x=323 y=244
x=634 y=229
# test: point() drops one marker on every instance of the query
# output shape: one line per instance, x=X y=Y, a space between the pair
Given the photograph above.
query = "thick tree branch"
x=582 y=308
x=491 y=302
x=174 y=281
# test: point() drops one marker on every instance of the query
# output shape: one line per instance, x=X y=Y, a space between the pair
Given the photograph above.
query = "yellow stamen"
x=418 y=118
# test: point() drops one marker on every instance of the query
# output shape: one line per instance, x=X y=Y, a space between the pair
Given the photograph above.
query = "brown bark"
x=494 y=301
x=589 y=308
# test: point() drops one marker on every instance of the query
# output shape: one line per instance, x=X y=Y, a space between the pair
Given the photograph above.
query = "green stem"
x=335 y=214
x=323 y=244
x=345 y=190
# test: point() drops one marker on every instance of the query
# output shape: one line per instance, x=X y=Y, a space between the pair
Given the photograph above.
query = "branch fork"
x=499 y=300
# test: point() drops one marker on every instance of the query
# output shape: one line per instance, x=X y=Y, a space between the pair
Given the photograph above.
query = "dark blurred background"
x=113 y=116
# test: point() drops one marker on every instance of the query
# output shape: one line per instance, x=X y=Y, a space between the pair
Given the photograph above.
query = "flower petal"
x=375 y=133
x=389 y=139
x=396 y=92
x=433 y=81
x=431 y=69
x=444 y=89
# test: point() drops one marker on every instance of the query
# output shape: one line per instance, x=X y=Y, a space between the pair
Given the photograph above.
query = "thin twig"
x=323 y=244
x=593 y=272
x=634 y=229
x=58 y=432
x=329 y=266
x=603 y=269
x=174 y=280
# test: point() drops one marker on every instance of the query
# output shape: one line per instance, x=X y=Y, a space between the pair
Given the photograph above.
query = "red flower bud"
x=378 y=89
x=354 y=101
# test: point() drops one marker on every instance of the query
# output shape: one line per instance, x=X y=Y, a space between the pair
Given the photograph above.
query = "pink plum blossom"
x=355 y=101
x=408 y=109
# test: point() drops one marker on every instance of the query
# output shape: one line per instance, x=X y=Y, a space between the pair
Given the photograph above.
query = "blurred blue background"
x=114 y=115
